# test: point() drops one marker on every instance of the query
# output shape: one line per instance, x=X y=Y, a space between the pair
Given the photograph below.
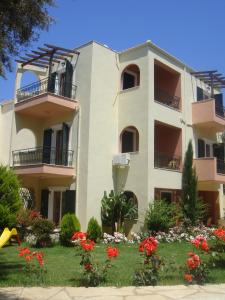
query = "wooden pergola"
x=211 y=78
x=46 y=56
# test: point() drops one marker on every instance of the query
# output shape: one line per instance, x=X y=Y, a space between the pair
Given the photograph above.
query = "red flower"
x=149 y=246
x=112 y=252
x=200 y=243
x=188 y=277
x=79 y=236
x=205 y=246
x=24 y=251
x=194 y=261
x=88 y=267
x=219 y=233
x=28 y=258
x=39 y=257
x=87 y=245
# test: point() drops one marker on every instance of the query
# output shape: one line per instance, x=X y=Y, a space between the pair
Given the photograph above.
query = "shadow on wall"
x=120 y=175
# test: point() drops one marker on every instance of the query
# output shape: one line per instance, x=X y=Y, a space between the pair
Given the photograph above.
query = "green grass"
x=63 y=267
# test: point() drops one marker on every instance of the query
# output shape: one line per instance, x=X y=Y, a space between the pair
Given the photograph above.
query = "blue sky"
x=191 y=30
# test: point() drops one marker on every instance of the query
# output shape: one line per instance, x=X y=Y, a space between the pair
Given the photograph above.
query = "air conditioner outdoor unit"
x=122 y=159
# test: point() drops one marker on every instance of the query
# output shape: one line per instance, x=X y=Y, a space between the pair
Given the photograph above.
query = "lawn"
x=63 y=267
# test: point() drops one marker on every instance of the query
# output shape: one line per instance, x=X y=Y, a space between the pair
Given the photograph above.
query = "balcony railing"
x=220 y=110
x=166 y=161
x=167 y=99
x=220 y=164
x=45 y=86
x=39 y=155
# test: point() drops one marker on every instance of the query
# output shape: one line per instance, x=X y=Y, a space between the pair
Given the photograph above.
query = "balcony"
x=165 y=161
x=207 y=115
x=167 y=86
x=42 y=99
x=210 y=169
x=164 y=98
x=43 y=162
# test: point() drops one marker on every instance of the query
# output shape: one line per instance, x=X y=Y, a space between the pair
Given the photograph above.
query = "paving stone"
x=38 y=293
x=61 y=295
x=10 y=293
x=99 y=298
x=177 y=294
x=100 y=291
x=146 y=297
x=206 y=296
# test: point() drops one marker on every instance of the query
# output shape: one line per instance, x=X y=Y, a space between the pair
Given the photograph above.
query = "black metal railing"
x=167 y=99
x=46 y=86
x=40 y=155
x=166 y=161
x=220 y=165
x=220 y=110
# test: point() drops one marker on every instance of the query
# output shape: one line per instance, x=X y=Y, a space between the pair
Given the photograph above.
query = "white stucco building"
x=108 y=120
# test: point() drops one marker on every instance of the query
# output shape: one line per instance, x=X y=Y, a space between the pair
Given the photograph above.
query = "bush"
x=161 y=215
x=25 y=218
x=10 y=201
x=42 y=228
x=94 y=230
x=69 y=225
x=7 y=219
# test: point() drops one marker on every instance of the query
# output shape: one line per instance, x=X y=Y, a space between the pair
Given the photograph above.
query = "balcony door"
x=56 y=202
x=56 y=145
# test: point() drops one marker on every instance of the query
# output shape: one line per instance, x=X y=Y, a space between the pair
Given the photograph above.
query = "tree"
x=20 y=22
x=193 y=208
x=10 y=201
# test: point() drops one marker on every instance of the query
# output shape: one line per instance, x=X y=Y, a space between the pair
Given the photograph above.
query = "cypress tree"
x=190 y=199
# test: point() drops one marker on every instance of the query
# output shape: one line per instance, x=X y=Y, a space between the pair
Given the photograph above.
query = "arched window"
x=130 y=77
x=129 y=140
x=133 y=207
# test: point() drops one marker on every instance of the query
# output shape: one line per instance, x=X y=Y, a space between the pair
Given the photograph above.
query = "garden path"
x=194 y=292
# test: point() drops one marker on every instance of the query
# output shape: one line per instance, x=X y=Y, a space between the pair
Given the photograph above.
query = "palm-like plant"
x=115 y=208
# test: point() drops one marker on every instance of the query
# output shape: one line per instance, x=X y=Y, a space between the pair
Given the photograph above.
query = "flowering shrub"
x=94 y=273
x=148 y=274
x=34 y=268
x=219 y=246
x=219 y=233
x=196 y=270
x=117 y=238
x=200 y=242
x=112 y=252
x=78 y=235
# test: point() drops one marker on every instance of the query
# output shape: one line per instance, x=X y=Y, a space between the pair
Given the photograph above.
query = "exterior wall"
x=133 y=107
x=102 y=127
x=6 y=121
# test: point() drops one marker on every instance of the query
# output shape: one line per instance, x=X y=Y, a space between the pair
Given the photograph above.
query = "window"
x=129 y=140
x=166 y=195
x=201 y=148
x=130 y=77
x=201 y=94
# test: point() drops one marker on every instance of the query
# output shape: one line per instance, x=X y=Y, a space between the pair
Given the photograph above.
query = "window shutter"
x=201 y=148
x=51 y=83
x=218 y=151
x=69 y=201
x=47 y=140
x=199 y=94
x=219 y=104
x=44 y=203
x=65 y=142
x=68 y=80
